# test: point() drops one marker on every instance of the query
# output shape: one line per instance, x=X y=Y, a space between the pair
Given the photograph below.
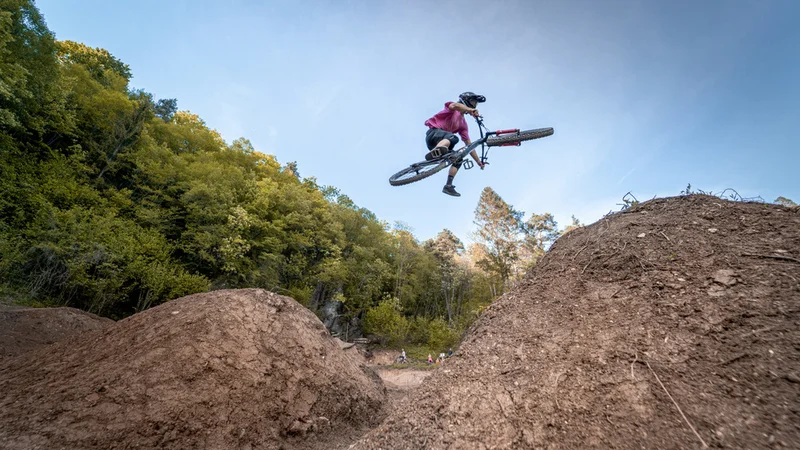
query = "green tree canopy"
x=101 y=64
x=499 y=226
x=29 y=73
x=540 y=231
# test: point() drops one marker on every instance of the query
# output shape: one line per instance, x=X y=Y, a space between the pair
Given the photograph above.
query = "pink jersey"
x=450 y=120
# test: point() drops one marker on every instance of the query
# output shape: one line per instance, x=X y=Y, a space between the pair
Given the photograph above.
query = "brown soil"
x=403 y=379
x=352 y=351
x=225 y=369
x=383 y=357
x=613 y=338
x=26 y=329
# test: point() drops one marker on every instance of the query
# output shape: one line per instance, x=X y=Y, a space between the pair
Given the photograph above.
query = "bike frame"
x=485 y=134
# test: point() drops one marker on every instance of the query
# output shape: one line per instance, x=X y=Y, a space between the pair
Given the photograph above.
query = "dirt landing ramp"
x=225 y=369
x=675 y=324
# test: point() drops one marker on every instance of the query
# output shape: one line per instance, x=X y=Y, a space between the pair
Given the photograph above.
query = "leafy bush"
x=300 y=293
x=101 y=263
x=418 y=330
x=386 y=321
x=440 y=336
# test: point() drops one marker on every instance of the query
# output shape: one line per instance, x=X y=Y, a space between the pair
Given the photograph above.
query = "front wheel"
x=417 y=171
x=514 y=138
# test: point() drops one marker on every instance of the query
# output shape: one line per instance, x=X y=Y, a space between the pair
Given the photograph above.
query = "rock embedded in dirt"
x=601 y=347
x=725 y=277
x=224 y=369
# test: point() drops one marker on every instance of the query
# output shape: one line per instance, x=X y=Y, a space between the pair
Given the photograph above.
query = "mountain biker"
x=441 y=139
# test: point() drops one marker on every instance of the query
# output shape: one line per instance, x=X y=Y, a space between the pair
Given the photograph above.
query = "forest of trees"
x=113 y=201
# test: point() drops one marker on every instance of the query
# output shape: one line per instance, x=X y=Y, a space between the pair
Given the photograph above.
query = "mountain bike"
x=499 y=138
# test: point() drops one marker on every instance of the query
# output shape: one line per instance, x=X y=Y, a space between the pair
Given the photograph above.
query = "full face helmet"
x=471 y=99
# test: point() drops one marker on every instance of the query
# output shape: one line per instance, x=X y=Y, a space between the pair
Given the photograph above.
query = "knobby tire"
x=512 y=138
x=421 y=172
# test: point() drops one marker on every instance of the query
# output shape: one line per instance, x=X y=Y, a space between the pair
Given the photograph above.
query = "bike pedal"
x=435 y=153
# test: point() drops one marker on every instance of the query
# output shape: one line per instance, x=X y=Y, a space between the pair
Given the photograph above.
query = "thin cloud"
x=626 y=176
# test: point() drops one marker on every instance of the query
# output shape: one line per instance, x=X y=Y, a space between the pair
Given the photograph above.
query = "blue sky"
x=644 y=96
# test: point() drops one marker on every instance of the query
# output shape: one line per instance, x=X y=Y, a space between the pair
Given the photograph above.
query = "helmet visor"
x=473 y=100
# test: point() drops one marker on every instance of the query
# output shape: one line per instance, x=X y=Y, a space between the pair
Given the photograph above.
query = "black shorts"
x=435 y=135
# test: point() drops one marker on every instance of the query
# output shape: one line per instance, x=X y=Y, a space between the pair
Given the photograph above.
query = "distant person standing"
x=430 y=359
x=450 y=355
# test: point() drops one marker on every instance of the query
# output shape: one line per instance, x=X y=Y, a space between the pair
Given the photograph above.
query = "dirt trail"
x=397 y=378
x=224 y=369
x=674 y=324
x=403 y=379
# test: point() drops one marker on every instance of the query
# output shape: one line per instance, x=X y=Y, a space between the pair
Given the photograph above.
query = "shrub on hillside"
x=440 y=336
x=418 y=330
x=386 y=321
x=100 y=263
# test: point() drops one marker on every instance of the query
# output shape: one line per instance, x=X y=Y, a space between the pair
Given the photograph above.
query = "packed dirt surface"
x=403 y=379
x=397 y=377
x=225 y=369
x=352 y=351
x=383 y=357
x=674 y=324
x=26 y=329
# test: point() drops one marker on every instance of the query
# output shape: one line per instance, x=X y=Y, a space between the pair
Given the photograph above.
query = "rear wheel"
x=514 y=138
x=417 y=171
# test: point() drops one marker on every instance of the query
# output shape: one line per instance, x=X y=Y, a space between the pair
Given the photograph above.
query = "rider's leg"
x=439 y=142
x=448 y=188
x=444 y=143
x=452 y=174
x=440 y=149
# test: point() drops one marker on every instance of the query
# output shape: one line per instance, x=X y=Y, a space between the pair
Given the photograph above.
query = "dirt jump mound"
x=674 y=324
x=225 y=369
x=26 y=329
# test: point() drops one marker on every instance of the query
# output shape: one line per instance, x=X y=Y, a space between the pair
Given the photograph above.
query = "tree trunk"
x=318 y=297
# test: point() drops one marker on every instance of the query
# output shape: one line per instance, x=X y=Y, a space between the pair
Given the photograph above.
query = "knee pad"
x=453 y=141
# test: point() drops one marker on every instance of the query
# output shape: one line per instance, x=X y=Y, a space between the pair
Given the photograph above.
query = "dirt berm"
x=674 y=324
x=225 y=369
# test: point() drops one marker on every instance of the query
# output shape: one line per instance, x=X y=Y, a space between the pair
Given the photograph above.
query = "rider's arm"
x=460 y=107
x=474 y=155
